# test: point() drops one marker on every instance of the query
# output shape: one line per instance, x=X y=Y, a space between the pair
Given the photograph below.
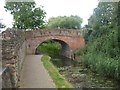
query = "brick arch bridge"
x=17 y=44
x=69 y=39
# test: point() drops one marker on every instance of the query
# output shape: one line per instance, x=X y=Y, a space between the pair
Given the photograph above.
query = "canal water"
x=81 y=77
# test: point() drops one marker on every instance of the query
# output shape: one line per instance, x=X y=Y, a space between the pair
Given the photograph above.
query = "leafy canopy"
x=25 y=14
x=102 y=51
x=68 y=22
x=104 y=18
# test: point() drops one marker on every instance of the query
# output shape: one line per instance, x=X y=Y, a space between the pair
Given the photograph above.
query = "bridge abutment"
x=66 y=50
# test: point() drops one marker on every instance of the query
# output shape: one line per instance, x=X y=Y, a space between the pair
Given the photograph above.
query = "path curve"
x=34 y=75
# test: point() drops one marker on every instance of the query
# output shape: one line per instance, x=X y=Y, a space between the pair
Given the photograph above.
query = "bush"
x=101 y=64
x=50 y=48
x=102 y=54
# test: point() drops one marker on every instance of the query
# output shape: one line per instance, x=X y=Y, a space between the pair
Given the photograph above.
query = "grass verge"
x=58 y=79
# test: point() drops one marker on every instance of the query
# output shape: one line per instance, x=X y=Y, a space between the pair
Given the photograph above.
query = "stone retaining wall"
x=13 y=54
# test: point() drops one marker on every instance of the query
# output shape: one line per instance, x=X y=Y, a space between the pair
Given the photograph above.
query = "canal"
x=82 y=77
x=75 y=72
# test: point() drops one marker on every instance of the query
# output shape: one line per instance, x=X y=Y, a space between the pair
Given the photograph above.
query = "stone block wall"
x=13 y=54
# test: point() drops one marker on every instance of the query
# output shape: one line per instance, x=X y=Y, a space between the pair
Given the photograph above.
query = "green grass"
x=58 y=79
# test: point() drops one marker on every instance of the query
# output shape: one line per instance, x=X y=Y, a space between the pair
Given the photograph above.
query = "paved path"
x=34 y=75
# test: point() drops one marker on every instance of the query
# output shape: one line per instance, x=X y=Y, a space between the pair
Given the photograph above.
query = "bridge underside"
x=64 y=52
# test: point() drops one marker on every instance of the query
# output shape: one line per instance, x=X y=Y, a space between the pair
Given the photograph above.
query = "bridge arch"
x=69 y=39
x=65 y=48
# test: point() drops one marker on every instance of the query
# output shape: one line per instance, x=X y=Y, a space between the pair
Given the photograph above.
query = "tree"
x=104 y=47
x=71 y=22
x=25 y=14
x=104 y=17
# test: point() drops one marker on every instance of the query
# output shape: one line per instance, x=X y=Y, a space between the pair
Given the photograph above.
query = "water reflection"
x=62 y=61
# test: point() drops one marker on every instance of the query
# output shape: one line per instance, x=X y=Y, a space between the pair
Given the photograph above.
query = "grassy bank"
x=58 y=79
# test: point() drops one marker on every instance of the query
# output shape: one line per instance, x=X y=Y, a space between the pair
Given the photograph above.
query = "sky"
x=54 y=8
